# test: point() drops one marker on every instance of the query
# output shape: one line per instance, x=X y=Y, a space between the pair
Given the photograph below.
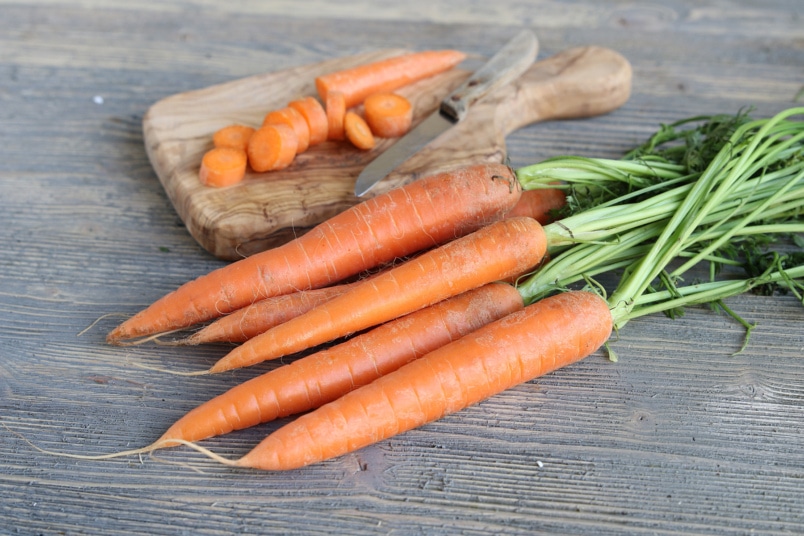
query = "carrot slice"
x=236 y=136
x=223 y=166
x=271 y=147
x=386 y=75
x=388 y=115
x=336 y=110
x=358 y=131
x=315 y=116
x=292 y=118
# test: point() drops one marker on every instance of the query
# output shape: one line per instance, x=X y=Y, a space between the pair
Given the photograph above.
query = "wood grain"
x=678 y=437
x=268 y=209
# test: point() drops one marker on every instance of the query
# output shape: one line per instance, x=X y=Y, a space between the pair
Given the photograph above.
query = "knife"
x=512 y=60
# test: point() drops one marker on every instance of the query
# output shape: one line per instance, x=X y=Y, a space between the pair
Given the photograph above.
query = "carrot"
x=388 y=115
x=539 y=204
x=271 y=147
x=236 y=136
x=292 y=118
x=494 y=252
x=248 y=322
x=420 y=215
x=336 y=110
x=386 y=75
x=357 y=131
x=223 y=166
x=315 y=116
x=322 y=377
x=543 y=337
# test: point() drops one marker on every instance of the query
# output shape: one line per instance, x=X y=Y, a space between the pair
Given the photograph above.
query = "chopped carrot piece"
x=272 y=146
x=316 y=118
x=388 y=115
x=386 y=75
x=236 y=136
x=336 y=110
x=292 y=118
x=358 y=131
x=223 y=166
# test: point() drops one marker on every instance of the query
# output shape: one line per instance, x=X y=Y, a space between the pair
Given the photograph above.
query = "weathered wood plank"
x=678 y=437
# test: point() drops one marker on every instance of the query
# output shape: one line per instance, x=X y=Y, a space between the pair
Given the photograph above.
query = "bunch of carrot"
x=442 y=330
x=355 y=104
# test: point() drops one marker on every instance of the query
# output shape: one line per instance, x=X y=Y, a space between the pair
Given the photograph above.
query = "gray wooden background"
x=680 y=436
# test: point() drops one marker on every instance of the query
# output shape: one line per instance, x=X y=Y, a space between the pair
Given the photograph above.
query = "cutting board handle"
x=578 y=82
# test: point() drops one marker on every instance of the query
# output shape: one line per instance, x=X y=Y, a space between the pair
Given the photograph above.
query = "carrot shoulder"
x=542 y=337
x=322 y=377
x=539 y=204
x=492 y=253
x=424 y=213
x=386 y=75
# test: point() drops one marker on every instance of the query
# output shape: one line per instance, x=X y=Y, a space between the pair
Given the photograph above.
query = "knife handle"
x=579 y=82
x=507 y=64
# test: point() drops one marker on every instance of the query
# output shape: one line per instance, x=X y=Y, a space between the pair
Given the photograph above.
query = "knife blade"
x=507 y=64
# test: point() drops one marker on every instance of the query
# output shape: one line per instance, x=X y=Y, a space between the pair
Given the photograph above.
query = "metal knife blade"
x=512 y=60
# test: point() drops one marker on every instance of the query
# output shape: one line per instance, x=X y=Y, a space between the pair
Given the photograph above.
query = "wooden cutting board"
x=268 y=209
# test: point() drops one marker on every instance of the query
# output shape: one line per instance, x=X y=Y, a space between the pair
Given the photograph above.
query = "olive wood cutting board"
x=268 y=209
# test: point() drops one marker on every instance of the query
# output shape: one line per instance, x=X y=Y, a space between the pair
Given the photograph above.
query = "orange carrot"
x=292 y=118
x=539 y=204
x=250 y=321
x=336 y=110
x=388 y=115
x=494 y=252
x=236 y=136
x=543 y=337
x=420 y=215
x=357 y=131
x=315 y=116
x=223 y=166
x=322 y=377
x=386 y=75
x=271 y=147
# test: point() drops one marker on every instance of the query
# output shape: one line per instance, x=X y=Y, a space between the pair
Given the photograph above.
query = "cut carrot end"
x=315 y=116
x=358 y=131
x=223 y=166
x=236 y=136
x=272 y=147
x=336 y=110
x=292 y=118
x=388 y=115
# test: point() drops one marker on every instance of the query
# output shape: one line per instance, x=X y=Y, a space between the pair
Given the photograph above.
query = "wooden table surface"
x=679 y=436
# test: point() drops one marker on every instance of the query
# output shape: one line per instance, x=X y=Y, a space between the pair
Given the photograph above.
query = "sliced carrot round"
x=388 y=115
x=292 y=118
x=316 y=118
x=336 y=109
x=236 y=136
x=271 y=147
x=223 y=166
x=358 y=131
